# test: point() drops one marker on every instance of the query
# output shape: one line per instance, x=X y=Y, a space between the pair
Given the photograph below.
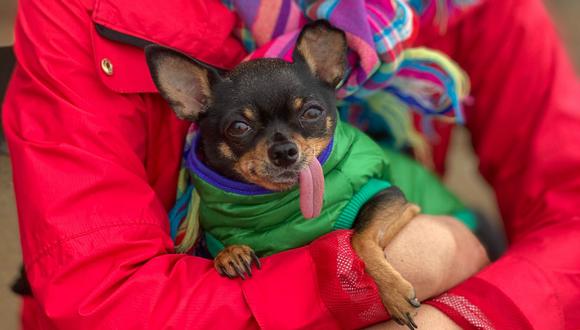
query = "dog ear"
x=323 y=49
x=184 y=82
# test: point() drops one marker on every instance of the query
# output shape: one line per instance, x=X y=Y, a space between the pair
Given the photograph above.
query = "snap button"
x=107 y=66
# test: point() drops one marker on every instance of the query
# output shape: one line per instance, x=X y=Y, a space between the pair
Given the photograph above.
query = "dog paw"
x=236 y=260
x=401 y=303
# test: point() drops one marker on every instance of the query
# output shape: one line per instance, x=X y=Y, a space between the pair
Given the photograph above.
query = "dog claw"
x=408 y=324
x=415 y=302
x=238 y=270
x=224 y=272
x=236 y=261
x=247 y=266
x=256 y=260
x=410 y=321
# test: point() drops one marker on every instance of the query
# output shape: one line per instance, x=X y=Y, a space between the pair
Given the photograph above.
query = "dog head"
x=265 y=120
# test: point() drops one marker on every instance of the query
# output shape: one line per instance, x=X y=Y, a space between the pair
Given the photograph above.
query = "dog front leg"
x=379 y=221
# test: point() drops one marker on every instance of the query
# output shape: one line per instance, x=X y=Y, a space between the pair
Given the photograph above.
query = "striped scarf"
x=387 y=79
x=386 y=82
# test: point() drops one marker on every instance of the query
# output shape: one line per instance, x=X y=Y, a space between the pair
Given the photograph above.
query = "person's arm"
x=94 y=232
x=428 y=317
x=525 y=125
x=435 y=253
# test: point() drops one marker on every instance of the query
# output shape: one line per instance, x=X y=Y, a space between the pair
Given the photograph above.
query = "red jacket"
x=95 y=153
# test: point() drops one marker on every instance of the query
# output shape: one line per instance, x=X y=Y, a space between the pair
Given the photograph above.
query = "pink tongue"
x=311 y=190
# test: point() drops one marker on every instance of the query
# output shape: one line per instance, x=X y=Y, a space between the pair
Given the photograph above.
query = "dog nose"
x=283 y=154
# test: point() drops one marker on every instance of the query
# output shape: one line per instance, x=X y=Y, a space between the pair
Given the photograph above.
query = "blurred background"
x=462 y=176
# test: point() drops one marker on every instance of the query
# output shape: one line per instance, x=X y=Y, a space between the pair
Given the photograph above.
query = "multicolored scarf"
x=387 y=80
x=387 y=77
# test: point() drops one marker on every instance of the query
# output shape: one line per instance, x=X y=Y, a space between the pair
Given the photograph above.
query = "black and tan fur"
x=264 y=121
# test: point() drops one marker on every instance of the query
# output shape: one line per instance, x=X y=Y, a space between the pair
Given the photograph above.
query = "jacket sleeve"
x=94 y=233
x=525 y=125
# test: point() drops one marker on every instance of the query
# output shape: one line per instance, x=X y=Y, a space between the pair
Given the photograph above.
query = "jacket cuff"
x=321 y=286
x=476 y=304
x=348 y=293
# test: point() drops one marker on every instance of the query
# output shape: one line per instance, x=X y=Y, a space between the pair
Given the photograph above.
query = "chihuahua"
x=265 y=123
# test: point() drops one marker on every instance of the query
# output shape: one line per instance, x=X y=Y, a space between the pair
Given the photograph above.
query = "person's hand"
x=435 y=253
x=428 y=317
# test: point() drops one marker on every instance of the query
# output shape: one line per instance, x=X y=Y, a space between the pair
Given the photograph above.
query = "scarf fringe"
x=190 y=226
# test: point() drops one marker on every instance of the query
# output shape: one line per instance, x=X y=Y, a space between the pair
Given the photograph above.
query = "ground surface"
x=462 y=176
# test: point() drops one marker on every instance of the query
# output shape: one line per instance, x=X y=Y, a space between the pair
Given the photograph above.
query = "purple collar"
x=194 y=164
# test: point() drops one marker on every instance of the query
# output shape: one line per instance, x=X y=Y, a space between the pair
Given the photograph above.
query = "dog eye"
x=311 y=114
x=238 y=129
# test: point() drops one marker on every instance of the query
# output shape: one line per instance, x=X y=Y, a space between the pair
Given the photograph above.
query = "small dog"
x=266 y=123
